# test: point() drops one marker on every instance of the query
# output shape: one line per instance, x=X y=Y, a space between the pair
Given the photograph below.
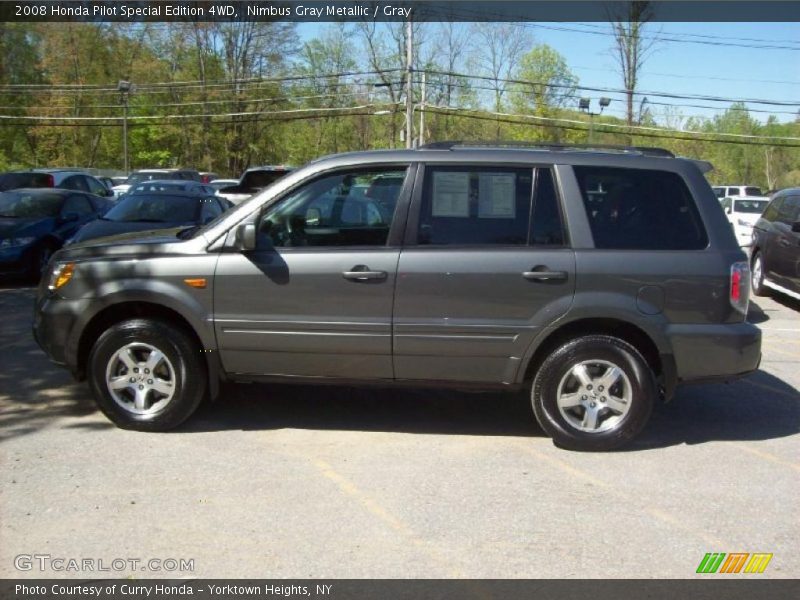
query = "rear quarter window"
x=640 y=209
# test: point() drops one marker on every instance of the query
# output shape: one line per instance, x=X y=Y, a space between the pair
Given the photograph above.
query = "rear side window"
x=638 y=209
x=475 y=206
x=771 y=214
x=752 y=191
x=734 y=191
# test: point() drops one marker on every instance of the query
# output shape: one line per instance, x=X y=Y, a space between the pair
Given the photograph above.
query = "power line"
x=520 y=21
x=500 y=117
x=622 y=91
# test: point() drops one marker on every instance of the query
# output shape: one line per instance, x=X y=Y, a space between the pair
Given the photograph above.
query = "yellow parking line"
x=768 y=456
x=351 y=490
x=661 y=515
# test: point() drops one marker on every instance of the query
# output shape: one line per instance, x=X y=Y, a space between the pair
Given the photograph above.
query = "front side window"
x=334 y=210
x=467 y=206
x=790 y=210
x=640 y=209
x=734 y=191
x=76 y=182
x=95 y=186
x=78 y=205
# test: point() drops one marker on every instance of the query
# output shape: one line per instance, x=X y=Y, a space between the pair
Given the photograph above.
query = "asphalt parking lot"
x=280 y=481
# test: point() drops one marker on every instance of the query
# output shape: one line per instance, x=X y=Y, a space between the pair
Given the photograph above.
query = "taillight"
x=740 y=286
x=51 y=181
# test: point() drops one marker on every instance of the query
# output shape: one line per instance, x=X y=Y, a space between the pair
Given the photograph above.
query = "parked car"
x=725 y=191
x=156 y=205
x=34 y=222
x=207 y=176
x=69 y=179
x=253 y=181
x=487 y=267
x=775 y=253
x=218 y=184
x=152 y=174
x=742 y=213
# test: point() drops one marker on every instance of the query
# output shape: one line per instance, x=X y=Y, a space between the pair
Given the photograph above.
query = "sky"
x=682 y=67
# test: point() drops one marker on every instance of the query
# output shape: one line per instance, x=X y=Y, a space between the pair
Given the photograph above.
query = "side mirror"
x=728 y=210
x=796 y=227
x=110 y=193
x=245 y=237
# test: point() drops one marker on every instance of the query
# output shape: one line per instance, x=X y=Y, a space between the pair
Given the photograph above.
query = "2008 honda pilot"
x=598 y=278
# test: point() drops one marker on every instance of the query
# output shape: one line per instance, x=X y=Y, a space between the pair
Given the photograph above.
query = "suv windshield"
x=161 y=208
x=750 y=206
x=29 y=206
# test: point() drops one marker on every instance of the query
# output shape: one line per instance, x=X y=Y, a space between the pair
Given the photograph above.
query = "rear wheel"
x=757 y=276
x=594 y=393
x=147 y=375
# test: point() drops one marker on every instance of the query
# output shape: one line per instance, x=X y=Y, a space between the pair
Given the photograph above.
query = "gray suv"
x=598 y=279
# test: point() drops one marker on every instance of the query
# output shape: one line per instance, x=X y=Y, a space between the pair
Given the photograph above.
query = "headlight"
x=60 y=276
x=16 y=242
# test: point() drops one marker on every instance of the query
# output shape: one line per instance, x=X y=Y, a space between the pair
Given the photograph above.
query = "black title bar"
x=387 y=11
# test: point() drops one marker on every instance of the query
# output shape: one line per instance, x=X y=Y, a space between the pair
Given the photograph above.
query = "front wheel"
x=757 y=276
x=146 y=375
x=593 y=393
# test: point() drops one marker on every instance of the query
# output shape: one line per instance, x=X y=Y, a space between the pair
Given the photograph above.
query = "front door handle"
x=542 y=273
x=363 y=273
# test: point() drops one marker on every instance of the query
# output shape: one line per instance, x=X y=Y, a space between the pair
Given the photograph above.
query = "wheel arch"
x=130 y=309
x=660 y=362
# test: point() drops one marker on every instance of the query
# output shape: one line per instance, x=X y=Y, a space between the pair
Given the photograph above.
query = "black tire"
x=622 y=426
x=757 y=277
x=185 y=370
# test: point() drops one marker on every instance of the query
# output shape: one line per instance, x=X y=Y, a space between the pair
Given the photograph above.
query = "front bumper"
x=54 y=320
x=715 y=352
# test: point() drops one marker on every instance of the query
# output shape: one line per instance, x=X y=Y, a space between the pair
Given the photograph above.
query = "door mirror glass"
x=245 y=237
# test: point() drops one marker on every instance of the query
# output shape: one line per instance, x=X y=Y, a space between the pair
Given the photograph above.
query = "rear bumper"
x=715 y=352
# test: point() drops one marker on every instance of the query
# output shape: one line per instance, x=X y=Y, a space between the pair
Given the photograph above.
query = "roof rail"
x=557 y=147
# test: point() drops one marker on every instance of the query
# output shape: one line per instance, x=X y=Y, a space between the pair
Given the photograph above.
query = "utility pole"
x=409 y=75
x=125 y=88
x=422 y=113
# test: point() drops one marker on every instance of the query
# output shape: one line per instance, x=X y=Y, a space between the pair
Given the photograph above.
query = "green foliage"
x=212 y=97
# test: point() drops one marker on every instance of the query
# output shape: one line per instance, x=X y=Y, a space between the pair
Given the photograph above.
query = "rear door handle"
x=545 y=275
x=363 y=273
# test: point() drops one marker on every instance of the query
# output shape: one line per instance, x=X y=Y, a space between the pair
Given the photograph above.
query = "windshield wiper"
x=146 y=221
x=9 y=216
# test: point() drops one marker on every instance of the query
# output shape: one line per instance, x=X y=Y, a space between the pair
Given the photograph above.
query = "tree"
x=497 y=49
x=550 y=83
x=631 y=47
